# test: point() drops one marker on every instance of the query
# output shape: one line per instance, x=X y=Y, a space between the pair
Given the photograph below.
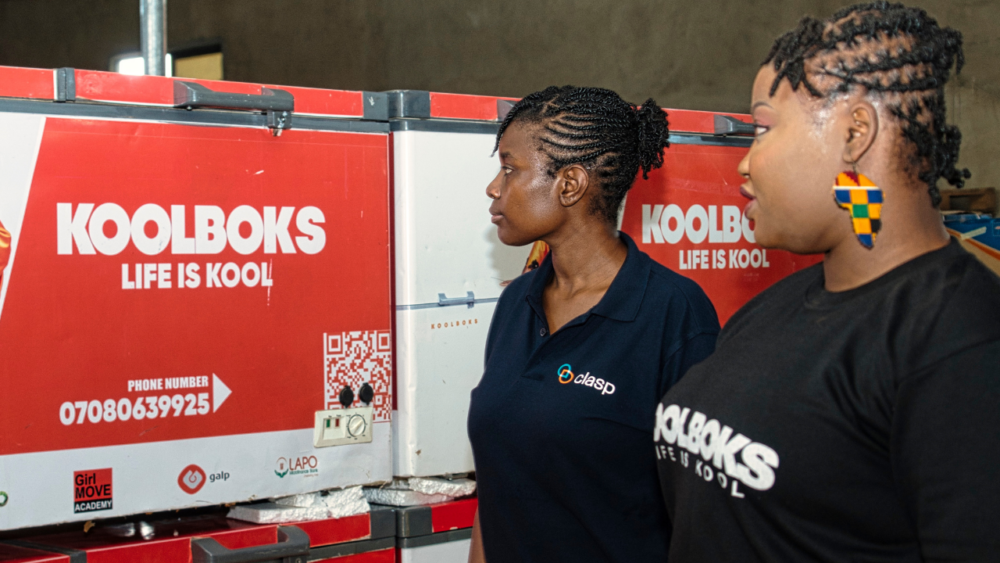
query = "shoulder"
x=680 y=299
x=953 y=305
x=513 y=296
x=790 y=289
x=517 y=289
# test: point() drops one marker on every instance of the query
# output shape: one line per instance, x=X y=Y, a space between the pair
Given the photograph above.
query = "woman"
x=851 y=411
x=581 y=348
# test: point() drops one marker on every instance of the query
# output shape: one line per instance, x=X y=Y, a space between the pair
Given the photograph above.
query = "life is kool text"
x=107 y=229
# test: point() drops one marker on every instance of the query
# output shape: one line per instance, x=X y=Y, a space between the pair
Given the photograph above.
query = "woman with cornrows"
x=581 y=348
x=851 y=412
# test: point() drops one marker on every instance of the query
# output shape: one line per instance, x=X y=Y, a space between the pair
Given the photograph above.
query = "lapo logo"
x=191 y=479
x=108 y=229
x=302 y=465
x=566 y=375
x=670 y=224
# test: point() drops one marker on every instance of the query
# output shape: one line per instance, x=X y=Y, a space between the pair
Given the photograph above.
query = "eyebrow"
x=759 y=104
x=505 y=155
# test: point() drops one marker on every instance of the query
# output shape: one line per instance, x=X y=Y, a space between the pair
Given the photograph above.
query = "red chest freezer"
x=194 y=274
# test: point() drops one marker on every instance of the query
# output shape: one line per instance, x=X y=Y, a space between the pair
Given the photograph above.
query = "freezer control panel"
x=343 y=426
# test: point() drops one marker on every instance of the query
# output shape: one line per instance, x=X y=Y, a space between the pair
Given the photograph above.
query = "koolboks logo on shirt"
x=566 y=375
x=715 y=444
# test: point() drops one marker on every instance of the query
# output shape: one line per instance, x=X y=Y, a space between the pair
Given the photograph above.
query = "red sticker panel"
x=177 y=282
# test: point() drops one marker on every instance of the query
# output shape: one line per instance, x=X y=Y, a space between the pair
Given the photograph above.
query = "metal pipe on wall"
x=153 y=35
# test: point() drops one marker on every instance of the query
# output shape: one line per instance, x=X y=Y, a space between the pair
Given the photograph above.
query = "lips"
x=748 y=209
x=495 y=215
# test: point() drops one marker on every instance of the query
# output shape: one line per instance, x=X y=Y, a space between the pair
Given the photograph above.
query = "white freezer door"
x=445 y=242
x=439 y=358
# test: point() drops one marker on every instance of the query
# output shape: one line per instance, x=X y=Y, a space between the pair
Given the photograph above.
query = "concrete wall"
x=697 y=55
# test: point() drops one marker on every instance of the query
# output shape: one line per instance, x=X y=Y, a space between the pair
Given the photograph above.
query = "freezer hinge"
x=65 y=85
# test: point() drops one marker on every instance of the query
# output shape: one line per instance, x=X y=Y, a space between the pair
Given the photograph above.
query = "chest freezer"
x=449 y=271
x=192 y=270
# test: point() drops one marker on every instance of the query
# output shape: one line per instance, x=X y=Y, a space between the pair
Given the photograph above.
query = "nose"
x=493 y=189
x=744 y=167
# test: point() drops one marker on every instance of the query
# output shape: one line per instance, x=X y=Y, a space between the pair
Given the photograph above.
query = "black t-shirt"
x=854 y=426
x=561 y=423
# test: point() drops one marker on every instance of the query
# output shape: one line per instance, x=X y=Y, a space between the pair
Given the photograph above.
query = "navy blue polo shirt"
x=562 y=424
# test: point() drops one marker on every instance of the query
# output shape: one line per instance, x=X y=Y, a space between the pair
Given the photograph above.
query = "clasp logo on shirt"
x=566 y=375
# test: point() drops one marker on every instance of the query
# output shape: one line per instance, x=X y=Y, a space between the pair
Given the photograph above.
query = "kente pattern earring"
x=863 y=200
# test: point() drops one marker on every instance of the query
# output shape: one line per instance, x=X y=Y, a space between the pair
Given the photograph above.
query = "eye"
x=759 y=130
x=507 y=170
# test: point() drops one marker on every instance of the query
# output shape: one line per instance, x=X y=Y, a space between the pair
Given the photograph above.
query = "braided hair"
x=897 y=53
x=596 y=128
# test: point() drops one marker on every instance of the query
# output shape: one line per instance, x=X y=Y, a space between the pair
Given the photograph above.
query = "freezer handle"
x=725 y=125
x=191 y=95
x=470 y=299
x=292 y=547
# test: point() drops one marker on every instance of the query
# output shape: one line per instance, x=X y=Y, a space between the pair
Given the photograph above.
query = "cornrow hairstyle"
x=594 y=127
x=897 y=53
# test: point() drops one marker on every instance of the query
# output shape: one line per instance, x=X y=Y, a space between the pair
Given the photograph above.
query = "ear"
x=572 y=183
x=862 y=130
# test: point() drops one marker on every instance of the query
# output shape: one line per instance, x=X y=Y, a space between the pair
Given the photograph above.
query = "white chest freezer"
x=450 y=267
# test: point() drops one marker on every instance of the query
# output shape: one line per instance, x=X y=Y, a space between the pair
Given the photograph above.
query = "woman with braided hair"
x=851 y=411
x=581 y=348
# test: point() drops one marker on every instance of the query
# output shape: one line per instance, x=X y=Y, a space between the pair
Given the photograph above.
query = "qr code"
x=354 y=358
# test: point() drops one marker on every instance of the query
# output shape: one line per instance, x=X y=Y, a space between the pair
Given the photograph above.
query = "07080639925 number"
x=123 y=409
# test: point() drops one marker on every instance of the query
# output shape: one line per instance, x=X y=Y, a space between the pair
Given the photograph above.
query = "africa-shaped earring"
x=863 y=200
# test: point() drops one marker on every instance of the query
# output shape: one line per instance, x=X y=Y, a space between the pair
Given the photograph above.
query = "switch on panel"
x=343 y=426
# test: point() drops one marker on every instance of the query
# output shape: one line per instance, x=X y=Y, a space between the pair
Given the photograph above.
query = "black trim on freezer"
x=376 y=105
x=65 y=85
x=352 y=548
x=445 y=126
x=409 y=103
x=185 y=117
x=491 y=128
x=433 y=539
x=707 y=139
x=75 y=555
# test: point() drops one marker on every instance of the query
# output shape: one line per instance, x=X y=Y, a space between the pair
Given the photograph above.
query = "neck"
x=585 y=256
x=910 y=228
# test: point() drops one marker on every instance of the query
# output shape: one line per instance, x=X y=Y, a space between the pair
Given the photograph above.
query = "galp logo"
x=191 y=479
x=566 y=375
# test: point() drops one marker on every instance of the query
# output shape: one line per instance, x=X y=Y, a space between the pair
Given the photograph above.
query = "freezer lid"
x=155 y=98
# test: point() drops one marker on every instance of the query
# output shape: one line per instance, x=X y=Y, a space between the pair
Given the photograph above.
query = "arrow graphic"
x=219 y=392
